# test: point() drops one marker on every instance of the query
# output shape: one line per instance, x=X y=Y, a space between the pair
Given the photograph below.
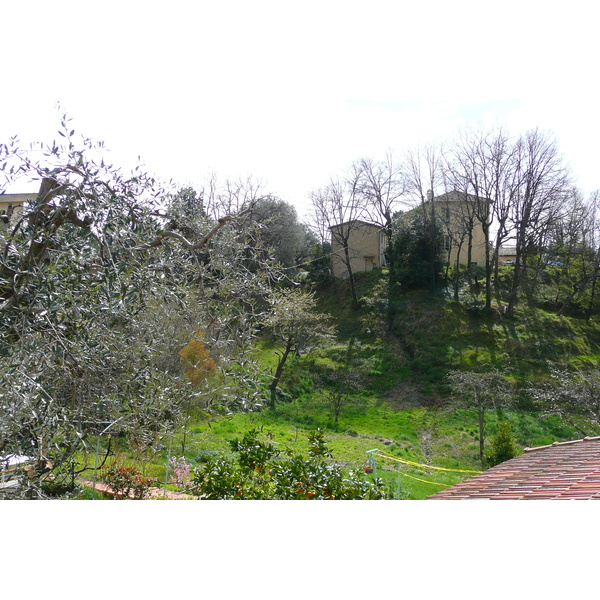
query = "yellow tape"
x=422 y=480
x=414 y=464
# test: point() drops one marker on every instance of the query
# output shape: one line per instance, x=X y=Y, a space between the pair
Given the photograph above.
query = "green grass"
x=400 y=408
x=430 y=436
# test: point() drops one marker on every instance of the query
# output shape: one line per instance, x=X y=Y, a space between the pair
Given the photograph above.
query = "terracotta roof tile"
x=559 y=471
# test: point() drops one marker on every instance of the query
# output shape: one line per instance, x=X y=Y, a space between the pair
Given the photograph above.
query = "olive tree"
x=95 y=275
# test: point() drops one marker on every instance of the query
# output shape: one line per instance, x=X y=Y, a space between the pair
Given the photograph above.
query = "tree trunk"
x=457 y=274
x=278 y=372
x=488 y=267
x=481 y=432
x=351 y=277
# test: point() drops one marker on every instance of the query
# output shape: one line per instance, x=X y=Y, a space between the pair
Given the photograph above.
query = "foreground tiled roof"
x=562 y=471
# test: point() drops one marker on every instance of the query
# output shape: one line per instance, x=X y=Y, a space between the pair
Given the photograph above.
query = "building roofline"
x=358 y=221
x=554 y=444
x=456 y=196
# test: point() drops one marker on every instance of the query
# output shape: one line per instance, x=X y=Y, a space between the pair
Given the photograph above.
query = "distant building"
x=11 y=205
x=367 y=242
x=507 y=253
x=456 y=211
x=366 y=247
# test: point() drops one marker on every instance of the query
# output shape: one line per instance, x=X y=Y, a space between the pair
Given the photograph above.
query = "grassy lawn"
x=400 y=407
x=429 y=436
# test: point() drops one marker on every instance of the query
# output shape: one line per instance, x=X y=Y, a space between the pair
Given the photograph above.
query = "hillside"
x=393 y=394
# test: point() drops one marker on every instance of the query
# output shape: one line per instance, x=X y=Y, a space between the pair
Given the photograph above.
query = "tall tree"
x=337 y=210
x=411 y=252
x=572 y=253
x=542 y=182
x=424 y=176
x=480 y=166
x=383 y=185
x=280 y=231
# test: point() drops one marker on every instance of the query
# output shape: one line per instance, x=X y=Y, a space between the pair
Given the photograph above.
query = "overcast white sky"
x=291 y=92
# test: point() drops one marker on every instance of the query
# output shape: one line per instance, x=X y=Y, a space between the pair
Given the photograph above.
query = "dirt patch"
x=154 y=493
x=426 y=440
x=406 y=395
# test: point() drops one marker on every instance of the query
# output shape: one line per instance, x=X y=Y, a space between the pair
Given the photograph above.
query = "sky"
x=292 y=93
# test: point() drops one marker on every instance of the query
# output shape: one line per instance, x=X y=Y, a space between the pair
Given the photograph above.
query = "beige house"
x=507 y=253
x=11 y=205
x=367 y=242
x=456 y=211
x=366 y=246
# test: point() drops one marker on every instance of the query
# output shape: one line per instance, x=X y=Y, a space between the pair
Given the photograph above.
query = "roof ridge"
x=587 y=438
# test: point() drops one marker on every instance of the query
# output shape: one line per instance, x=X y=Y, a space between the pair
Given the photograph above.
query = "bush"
x=503 y=447
x=260 y=471
x=127 y=482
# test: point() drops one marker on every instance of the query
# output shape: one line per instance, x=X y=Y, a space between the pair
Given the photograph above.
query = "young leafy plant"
x=261 y=471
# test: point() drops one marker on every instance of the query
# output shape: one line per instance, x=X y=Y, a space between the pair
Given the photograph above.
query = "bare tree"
x=383 y=186
x=573 y=244
x=480 y=165
x=594 y=242
x=542 y=182
x=338 y=209
x=232 y=196
x=480 y=391
x=573 y=395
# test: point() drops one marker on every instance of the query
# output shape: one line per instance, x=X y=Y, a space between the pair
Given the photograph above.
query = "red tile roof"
x=561 y=471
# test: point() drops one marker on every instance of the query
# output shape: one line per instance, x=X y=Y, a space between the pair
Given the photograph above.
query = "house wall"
x=507 y=253
x=452 y=214
x=16 y=201
x=368 y=242
x=365 y=248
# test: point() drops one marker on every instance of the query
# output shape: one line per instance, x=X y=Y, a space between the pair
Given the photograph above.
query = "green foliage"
x=280 y=233
x=503 y=446
x=294 y=324
x=100 y=290
x=318 y=264
x=416 y=252
x=260 y=471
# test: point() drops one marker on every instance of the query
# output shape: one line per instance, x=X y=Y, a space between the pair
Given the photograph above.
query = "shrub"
x=503 y=447
x=260 y=471
x=127 y=482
